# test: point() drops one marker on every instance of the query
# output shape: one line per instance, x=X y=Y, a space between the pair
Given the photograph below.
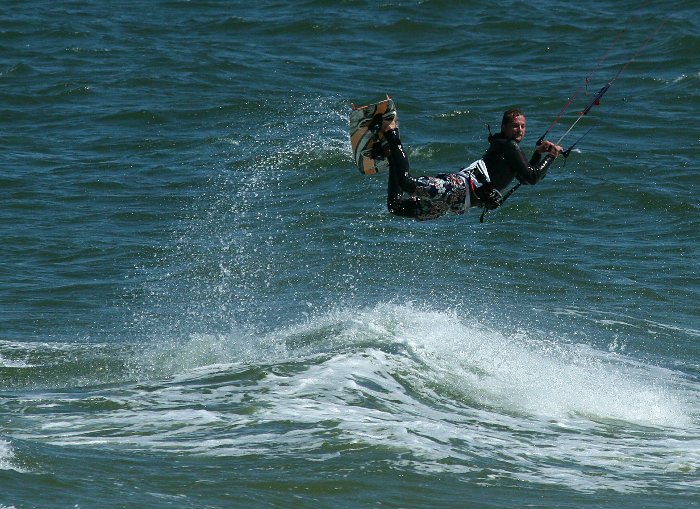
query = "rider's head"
x=513 y=125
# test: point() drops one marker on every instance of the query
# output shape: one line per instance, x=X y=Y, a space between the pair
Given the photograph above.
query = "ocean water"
x=204 y=304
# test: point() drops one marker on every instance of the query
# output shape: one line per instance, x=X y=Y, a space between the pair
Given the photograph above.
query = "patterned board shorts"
x=438 y=195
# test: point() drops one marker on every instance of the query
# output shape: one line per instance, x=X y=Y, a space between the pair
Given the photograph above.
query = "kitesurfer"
x=478 y=185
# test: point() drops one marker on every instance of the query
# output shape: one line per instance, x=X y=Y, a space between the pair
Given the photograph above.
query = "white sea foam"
x=525 y=373
x=10 y=363
x=443 y=391
x=6 y=456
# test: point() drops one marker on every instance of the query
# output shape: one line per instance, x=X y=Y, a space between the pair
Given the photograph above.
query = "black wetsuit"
x=505 y=161
x=400 y=178
x=456 y=192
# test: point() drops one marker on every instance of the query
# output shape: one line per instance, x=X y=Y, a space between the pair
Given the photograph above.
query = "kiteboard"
x=366 y=151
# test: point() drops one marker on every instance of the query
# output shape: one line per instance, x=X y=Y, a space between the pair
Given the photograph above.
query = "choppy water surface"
x=205 y=305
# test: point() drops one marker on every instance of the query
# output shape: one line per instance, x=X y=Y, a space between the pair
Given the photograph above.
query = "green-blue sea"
x=204 y=304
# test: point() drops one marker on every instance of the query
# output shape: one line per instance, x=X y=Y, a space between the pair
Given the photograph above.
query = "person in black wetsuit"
x=478 y=185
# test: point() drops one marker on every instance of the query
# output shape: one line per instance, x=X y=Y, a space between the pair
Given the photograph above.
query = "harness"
x=476 y=175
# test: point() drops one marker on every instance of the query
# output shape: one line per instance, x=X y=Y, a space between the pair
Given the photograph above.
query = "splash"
x=12 y=363
x=435 y=390
x=538 y=376
x=6 y=456
x=522 y=374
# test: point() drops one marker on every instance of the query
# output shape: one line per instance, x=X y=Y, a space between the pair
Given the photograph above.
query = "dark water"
x=203 y=303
